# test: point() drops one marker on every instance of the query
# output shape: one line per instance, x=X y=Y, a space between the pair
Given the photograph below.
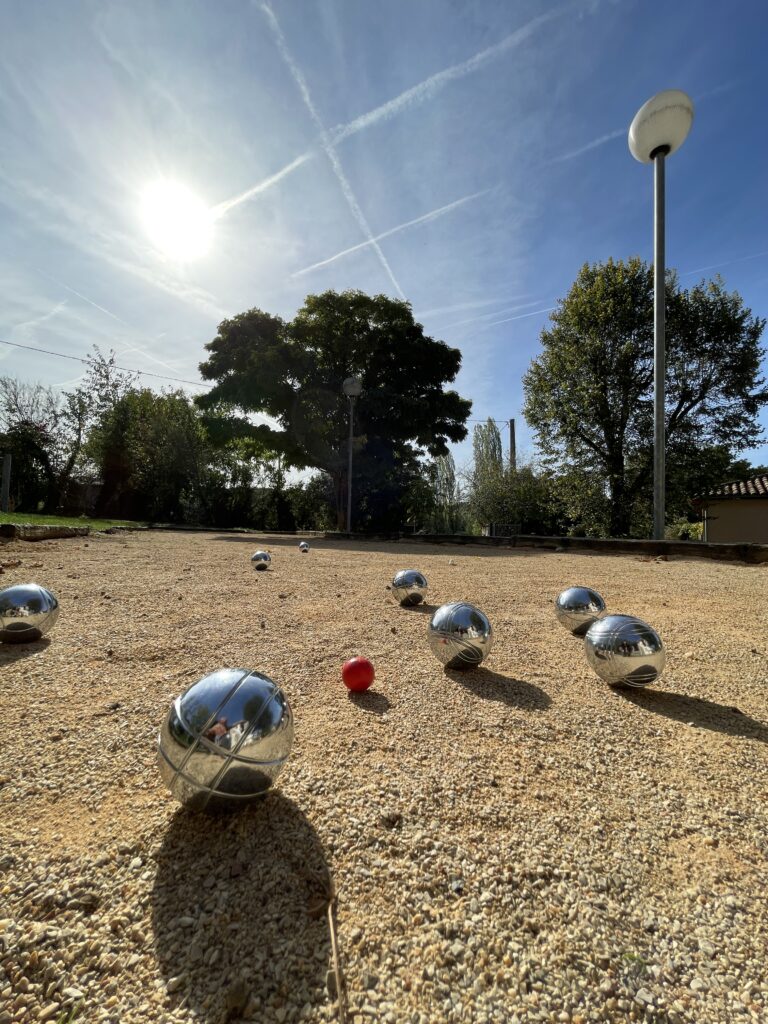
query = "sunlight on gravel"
x=515 y=844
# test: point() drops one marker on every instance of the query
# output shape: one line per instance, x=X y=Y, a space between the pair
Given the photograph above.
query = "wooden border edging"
x=751 y=553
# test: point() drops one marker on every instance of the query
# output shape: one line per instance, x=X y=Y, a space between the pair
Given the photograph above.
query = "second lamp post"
x=352 y=388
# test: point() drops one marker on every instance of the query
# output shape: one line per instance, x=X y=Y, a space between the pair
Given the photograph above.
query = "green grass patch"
x=36 y=520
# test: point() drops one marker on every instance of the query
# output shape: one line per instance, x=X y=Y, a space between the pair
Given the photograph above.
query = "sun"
x=179 y=223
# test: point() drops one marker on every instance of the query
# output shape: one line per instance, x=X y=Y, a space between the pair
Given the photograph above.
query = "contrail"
x=460 y=306
x=221 y=208
x=330 y=152
x=494 y=323
x=411 y=97
x=432 y=85
x=594 y=144
x=424 y=219
x=135 y=347
x=496 y=312
x=523 y=316
x=27 y=324
x=715 y=266
x=85 y=298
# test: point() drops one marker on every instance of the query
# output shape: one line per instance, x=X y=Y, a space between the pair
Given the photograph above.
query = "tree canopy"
x=589 y=395
x=293 y=373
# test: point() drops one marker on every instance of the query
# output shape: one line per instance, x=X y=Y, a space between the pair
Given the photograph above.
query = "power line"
x=126 y=369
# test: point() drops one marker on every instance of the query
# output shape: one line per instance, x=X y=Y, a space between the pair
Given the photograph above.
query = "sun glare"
x=177 y=222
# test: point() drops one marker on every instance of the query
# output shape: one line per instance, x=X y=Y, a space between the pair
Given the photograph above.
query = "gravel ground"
x=518 y=843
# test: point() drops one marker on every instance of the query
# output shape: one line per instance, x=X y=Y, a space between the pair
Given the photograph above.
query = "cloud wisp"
x=82 y=228
x=327 y=145
x=424 y=219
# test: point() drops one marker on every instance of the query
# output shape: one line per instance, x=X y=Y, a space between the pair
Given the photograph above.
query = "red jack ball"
x=357 y=674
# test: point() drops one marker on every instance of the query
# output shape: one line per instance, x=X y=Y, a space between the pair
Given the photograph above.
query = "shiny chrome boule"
x=225 y=739
x=624 y=649
x=27 y=613
x=577 y=608
x=460 y=635
x=260 y=560
x=409 y=587
x=304 y=547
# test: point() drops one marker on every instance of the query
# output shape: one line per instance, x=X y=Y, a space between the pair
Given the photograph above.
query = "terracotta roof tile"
x=757 y=487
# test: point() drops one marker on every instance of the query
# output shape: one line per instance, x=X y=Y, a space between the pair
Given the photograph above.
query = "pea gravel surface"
x=517 y=843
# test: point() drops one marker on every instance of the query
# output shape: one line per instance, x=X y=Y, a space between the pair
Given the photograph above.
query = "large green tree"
x=293 y=373
x=589 y=395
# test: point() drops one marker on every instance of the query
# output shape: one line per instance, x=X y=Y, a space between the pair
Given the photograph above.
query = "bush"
x=681 y=529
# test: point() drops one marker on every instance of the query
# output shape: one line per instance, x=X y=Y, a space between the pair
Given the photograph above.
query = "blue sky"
x=471 y=155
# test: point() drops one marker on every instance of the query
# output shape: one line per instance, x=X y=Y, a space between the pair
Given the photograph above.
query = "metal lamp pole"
x=659 y=128
x=352 y=387
x=659 y=346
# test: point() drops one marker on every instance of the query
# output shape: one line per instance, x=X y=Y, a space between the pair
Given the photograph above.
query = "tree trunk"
x=340 y=492
x=621 y=504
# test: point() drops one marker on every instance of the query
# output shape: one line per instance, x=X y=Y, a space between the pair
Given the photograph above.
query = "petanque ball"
x=303 y=547
x=260 y=560
x=624 y=649
x=409 y=587
x=225 y=740
x=460 y=635
x=577 y=608
x=27 y=613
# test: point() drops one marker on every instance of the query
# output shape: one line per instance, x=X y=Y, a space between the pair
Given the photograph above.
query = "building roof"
x=757 y=487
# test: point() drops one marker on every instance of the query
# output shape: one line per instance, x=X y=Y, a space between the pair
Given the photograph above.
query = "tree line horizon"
x=115 y=449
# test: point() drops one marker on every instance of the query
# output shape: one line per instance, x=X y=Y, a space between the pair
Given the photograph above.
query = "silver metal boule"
x=409 y=587
x=460 y=635
x=577 y=608
x=27 y=613
x=303 y=547
x=624 y=649
x=225 y=739
x=260 y=559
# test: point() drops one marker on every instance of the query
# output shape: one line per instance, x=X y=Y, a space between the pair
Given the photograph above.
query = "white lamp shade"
x=353 y=387
x=664 y=120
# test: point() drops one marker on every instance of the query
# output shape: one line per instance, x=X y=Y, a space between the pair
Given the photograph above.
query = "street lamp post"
x=659 y=128
x=353 y=388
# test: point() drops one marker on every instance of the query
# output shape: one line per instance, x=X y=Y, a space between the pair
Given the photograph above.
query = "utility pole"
x=5 y=489
x=512 y=451
x=352 y=388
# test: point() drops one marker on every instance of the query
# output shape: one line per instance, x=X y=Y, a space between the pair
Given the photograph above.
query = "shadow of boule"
x=517 y=693
x=704 y=714
x=11 y=652
x=238 y=912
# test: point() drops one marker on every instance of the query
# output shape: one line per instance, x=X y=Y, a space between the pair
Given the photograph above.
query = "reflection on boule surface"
x=260 y=559
x=460 y=635
x=624 y=649
x=577 y=608
x=27 y=613
x=409 y=587
x=225 y=739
